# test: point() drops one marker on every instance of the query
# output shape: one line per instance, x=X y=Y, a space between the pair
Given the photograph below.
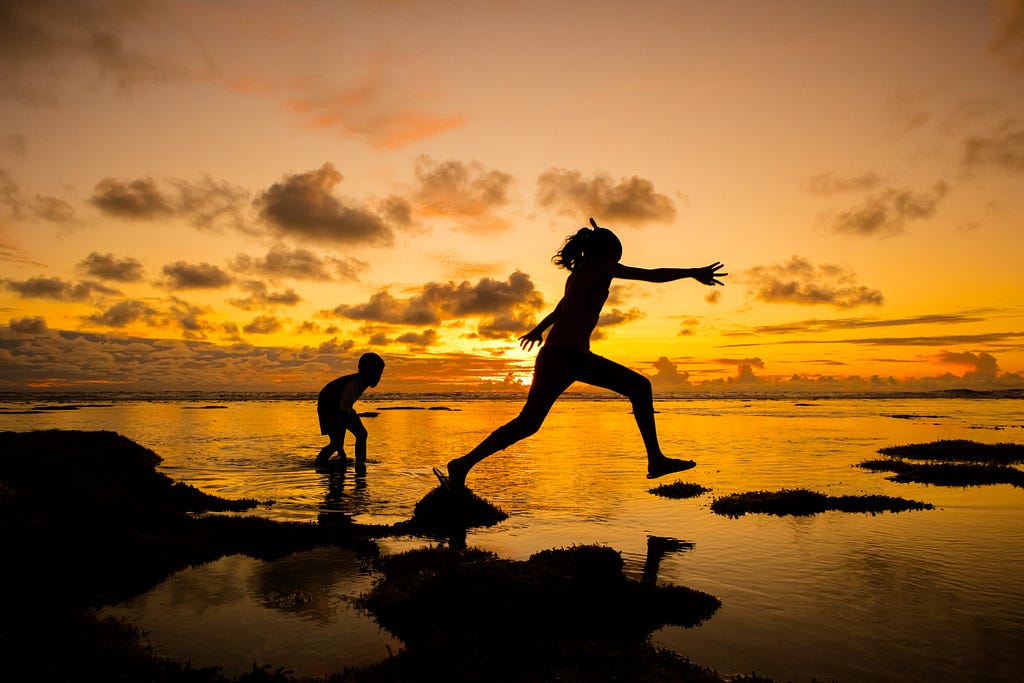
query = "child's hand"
x=532 y=337
x=708 y=275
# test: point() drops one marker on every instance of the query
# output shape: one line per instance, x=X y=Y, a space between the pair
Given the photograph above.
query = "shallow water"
x=916 y=596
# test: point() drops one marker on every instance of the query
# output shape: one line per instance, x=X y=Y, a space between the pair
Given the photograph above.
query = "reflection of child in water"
x=592 y=259
x=334 y=408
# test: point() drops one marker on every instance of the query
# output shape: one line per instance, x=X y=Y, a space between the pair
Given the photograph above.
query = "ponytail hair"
x=586 y=242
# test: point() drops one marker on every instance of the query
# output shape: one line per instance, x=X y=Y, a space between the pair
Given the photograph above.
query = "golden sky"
x=248 y=195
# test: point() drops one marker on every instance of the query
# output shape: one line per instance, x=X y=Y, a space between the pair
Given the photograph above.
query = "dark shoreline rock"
x=88 y=521
x=951 y=462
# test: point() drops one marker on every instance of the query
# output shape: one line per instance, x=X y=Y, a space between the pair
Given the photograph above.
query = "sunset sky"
x=248 y=195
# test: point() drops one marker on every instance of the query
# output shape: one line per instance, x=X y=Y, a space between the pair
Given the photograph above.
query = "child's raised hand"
x=532 y=337
x=708 y=275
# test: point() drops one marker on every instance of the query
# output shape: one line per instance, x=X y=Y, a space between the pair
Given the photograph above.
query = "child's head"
x=371 y=367
x=588 y=245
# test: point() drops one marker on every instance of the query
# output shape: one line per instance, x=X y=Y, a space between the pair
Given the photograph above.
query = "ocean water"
x=933 y=595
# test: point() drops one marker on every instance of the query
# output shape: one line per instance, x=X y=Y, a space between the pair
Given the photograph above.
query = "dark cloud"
x=57 y=289
x=302 y=206
x=1009 y=39
x=261 y=297
x=205 y=204
x=182 y=275
x=135 y=199
x=828 y=183
x=211 y=204
x=46 y=42
x=630 y=200
x=886 y=213
x=798 y=281
x=920 y=340
x=462 y=190
x=263 y=324
x=751 y=362
x=983 y=365
x=418 y=340
x=188 y=317
x=335 y=347
x=505 y=307
x=51 y=209
x=713 y=297
x=125 y=313
x=109 y=267
x=29 y=326
x=815 y=325
x=298 y=264
x=668 y=375
x=1002 y=149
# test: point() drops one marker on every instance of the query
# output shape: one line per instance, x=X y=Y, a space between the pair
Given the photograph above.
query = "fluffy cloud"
x=984 y=366
x=303 y=206
x=50 y=209
x=886 y=213
x=798 y=281
x=667 y=375
x=29 y=326
x=125 y=313
x=109 y=267
x=1002 y=149
x=134 y=199
x=298 y=264
x=57 y=289
x=630 y=200
x=261 y=297
x=505 y=307
x=418 y=340
x=263 y=324
x=182 y=275
x=205 y=204
x=462 y=190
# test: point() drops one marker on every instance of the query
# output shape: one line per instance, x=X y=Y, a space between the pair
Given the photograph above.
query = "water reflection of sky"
x=932 y=595
x=295 y=612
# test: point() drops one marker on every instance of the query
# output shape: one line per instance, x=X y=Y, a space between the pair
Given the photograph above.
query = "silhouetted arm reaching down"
x=536 y=335
x=708 y=275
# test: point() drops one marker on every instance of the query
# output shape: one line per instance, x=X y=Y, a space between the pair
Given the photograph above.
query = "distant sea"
x=932 y=595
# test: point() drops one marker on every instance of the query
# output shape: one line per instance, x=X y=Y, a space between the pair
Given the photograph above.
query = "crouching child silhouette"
x=592 y=258
x=336 y=412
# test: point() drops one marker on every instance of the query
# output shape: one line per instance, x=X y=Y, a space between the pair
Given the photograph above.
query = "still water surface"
x=916 y=596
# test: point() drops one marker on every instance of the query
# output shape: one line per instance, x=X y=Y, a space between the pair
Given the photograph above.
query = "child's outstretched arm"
x=536 y=335
x=707 y=275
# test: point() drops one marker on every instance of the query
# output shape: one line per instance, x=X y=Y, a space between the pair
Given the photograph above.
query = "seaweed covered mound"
x=951 y=462
x=959 y=450
x=560 y=610
x=804 y=502
x=443 y=511
x=678 y=489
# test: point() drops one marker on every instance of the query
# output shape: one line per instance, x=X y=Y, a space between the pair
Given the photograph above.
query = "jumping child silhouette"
x=334 y=408
x=592 y=258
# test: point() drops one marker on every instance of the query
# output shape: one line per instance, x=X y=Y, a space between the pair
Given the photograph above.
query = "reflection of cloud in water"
x=307 y=584
x=289 y=612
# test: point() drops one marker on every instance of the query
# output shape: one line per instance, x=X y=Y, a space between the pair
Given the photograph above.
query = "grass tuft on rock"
x=679 y=489
x=951 y=462
x=959 y=450
x=801 y=502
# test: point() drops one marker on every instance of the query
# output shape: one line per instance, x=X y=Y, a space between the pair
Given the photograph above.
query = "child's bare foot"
x=457 y=475
x=659 y=467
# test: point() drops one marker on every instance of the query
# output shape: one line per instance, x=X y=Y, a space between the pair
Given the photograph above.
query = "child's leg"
x=608 y=374
x=549 y=381
x=336 y=444
x=355 y=425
